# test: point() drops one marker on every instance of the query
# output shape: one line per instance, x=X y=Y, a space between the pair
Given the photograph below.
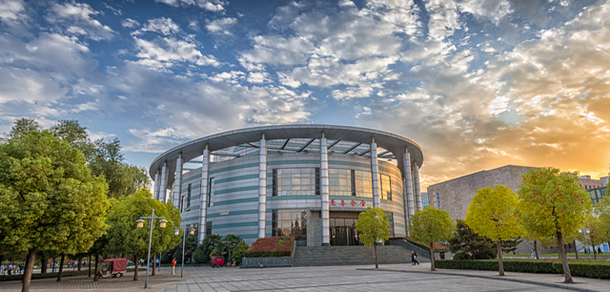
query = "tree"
x=431 y=225
x=238 y=252
x=22 y=127
x=202 y=254
x=510 y=245
x=594 y=233
x=552 y=204
x=374 y=227
x=124 y=237
x=493 y=213
x=473 y=245
x=48 y=198
x=190 y=248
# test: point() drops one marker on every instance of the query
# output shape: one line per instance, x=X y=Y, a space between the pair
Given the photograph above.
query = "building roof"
x=394 y=143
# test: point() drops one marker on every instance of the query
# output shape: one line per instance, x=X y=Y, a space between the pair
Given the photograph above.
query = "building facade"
x=307 y=181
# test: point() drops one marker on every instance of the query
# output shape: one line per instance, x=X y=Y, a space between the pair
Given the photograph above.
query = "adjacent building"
x=307 y=181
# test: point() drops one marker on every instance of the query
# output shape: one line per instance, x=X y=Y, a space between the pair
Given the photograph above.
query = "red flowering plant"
x=271 y=247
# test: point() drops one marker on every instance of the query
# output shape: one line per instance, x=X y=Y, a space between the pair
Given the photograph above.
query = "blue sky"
x=477 y=83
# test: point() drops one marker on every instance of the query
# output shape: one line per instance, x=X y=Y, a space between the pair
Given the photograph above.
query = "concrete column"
x=156 y=186
x=416 y=184
x=408 y=189
x=163 y=186
x=374 y=173
x=203 y=198
x=324 y=192
x=262 y=188
x=178 y=181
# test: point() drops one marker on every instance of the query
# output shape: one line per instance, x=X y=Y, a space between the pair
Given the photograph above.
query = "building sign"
x=347 y=203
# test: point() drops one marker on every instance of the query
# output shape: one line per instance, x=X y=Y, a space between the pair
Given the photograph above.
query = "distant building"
x=605 y=180
x=587 y=183
x=424 y=199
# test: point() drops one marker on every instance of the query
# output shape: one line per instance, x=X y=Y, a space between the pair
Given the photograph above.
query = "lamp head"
x=162 y=223
x=176 y=231
x=140 y=223
x=192 y=232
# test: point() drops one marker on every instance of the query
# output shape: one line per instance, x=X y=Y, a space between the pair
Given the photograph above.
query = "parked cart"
x=112 y=267
x=217 y=261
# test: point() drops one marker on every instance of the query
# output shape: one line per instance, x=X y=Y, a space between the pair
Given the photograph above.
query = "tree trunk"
x=154 y=264
x=29 y=267
x=61 y=268
x=575 y=249
x=89 y=261
x=375 y=247
x=594 y=252
x=96 y=275
x=43 y=265
x=500 y=262
x=80 y=263
x=536 y=249
x=564 y=259
x=432 y=268
x=136 y=263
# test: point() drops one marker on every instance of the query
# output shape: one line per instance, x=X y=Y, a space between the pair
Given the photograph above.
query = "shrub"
x=271 y=247
x=578 y=268
x=461 y=256
x=238 y=252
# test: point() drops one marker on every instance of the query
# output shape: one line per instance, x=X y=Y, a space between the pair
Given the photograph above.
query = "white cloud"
x=164 y=53
x=12 y=12
x=130 y=23
x=221 y=26
x=79 y=15
x=210 y=5
x=163 y=25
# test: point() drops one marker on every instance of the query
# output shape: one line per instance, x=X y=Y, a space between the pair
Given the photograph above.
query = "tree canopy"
x=49 y=200
x=493 y=213
x=473 y=245
x=553 y=205
x=374 y=226
x=431 y=225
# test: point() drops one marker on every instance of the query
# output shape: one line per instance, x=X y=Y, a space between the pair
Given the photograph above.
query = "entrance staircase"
x=352 y=255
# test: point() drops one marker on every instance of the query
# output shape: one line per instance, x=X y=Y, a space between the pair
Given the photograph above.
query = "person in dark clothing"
x=414 y=258
x=442 y=255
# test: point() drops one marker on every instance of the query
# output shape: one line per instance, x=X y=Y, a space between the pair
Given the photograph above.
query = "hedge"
x=271 y=247
x=578 y=268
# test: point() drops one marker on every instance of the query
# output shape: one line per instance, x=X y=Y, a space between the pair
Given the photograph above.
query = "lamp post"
x=585 y=237
x=176 y=232
x=140 y=224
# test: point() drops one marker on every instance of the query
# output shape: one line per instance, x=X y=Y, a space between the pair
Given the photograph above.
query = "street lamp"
x=176 y=232
x=587 y=231
x=140 y=224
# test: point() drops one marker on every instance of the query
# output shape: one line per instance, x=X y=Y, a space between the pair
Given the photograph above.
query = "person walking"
x=9 y=269
x=414 y=258
x=533 y=254
x=1 y=269
x=442 y=254
x=174 y=266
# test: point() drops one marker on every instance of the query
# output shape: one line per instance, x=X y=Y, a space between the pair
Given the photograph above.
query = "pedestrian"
x=414 y=258
x=1 y=269
x=533 y=254
x=174 y=266
x=599 y=250
x=9 y=269
x=442 y=254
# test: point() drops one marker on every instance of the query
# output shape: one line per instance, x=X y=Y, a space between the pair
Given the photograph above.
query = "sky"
x=478 y=84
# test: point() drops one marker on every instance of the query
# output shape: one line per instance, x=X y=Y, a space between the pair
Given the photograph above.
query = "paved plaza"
x=338 y=278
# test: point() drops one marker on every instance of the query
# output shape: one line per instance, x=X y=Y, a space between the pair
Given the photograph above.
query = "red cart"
x=112 y=267
x=218 y=261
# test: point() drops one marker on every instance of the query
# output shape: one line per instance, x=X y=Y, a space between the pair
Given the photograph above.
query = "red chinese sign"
x=332 y=202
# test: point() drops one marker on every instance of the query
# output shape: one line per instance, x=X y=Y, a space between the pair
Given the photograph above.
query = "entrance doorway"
x=343 y=228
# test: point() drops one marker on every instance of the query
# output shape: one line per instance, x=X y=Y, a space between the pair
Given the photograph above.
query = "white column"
x=156 y=186
x=178 y=181
x=262 y=188
x=416 y=184
x=408 y=189
x=203 y=198
x=324 y=192
x=374 y=173
x=163 y=187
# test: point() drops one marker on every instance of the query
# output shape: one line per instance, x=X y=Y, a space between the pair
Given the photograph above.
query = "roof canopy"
x=394 y=143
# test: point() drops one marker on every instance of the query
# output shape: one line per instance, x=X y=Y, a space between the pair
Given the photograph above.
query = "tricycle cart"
x=112 y=267
x=217 y=261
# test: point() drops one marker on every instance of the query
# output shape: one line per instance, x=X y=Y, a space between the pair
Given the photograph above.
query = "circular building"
x=307 y=181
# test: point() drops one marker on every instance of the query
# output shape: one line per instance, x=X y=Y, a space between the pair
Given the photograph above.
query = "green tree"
x=202 y=254
x=593 y=234
x=493 y=213
x=190 y=248
x=431 y=225
x=123 y=235
x=553 y=205
x=374 y=227
x=473 y=245
x=22 y=127
x=238 y=252
x=48 y=198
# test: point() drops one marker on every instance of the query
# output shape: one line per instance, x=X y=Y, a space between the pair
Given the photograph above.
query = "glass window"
x=340 y=182
x=386 y=187
x=289 y=223
x=188 y=197
x=363 y=184
x=208 y=228
x=391 y=219
x=210 y=193
x=296 y=182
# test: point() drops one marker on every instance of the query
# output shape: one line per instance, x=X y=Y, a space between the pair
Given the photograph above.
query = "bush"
x=271 y=247
x=461 y=256
x=238 y=252
x=484 y=255
x=578 y=268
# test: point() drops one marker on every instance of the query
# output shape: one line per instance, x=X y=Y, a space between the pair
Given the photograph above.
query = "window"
x=210 y=194
x=363 y=184
x=340 y=182
x=296 y=182
x=208 y=228
x=289 y=223
x=188 y=198
x=386 y=187
x=391 y=223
